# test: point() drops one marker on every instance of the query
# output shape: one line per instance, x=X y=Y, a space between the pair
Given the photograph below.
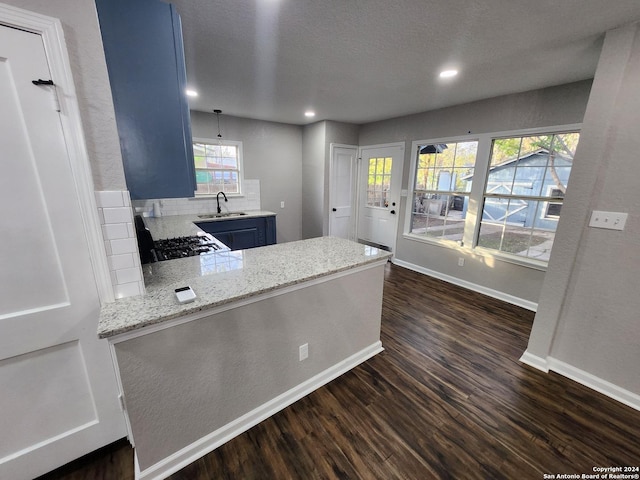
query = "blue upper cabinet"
x=145 y=59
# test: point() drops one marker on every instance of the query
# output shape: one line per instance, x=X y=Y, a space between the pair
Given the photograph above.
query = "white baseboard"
x=505 y=297
x=599 y=385
x=212 y=441
x=535 y=361
x=583 y=378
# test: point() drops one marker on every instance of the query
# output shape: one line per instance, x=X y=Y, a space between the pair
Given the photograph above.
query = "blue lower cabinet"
x=240 y=234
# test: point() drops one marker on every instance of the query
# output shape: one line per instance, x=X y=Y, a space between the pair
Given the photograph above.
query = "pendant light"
x=218 y=112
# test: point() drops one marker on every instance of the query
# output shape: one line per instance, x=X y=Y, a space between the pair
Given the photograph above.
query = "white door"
x=380 y=178
x=341 y=187
x=58 y=391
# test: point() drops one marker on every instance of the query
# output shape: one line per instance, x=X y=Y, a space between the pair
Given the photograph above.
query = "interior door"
x=380 y=178
x=341 y=187
x=59 y=393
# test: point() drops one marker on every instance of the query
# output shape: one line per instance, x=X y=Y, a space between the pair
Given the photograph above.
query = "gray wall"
x=84 y=43
x=187 y=381
x=272 y=154
x=316 y=159
x=539 y=108
x=588 y=311
x=313 y=178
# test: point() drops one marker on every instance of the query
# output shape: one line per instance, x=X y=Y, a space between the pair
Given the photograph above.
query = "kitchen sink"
x=222 y=215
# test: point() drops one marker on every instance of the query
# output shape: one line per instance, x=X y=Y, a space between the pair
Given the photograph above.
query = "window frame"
x=412 y=189
x=236 y=143
x=476 y=196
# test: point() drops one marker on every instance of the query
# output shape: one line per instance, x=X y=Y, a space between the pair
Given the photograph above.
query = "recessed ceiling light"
x=309 y=113
x=448 y=73
x=191 y=93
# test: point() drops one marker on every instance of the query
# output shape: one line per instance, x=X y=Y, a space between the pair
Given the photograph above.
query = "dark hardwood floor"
x=447 y=398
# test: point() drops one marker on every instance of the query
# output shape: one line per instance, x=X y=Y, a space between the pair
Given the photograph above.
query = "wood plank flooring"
x=447 y=399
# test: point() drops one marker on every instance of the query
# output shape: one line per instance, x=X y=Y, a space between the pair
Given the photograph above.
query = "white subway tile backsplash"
x=117 y=215
x=128 y=290
x=115 y=231
x=184 y=206
x=121 y=247
x=110 y=199
x=125 y=245
x=124 y=260
x=128 y=275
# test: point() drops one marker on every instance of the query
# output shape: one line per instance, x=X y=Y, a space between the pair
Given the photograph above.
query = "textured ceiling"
x=365 y=60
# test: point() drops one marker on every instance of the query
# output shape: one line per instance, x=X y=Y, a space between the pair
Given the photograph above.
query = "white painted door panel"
x=59 y=392
x=380 y=178
x=341 y=189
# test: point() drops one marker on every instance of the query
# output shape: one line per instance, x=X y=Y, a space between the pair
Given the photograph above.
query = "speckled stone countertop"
x=224 y=277
x=183 y=225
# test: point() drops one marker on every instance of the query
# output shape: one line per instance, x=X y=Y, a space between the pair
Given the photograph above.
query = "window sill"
x=479 y=251
x=210 y=196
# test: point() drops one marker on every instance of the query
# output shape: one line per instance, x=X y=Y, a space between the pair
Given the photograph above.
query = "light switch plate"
x=608 y=220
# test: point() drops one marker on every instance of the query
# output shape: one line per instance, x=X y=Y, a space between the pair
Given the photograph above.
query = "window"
x=442 y=182
x=525 y=188
x=496 y=194
x=552 y=209
x=218 y=167
x=379 y=181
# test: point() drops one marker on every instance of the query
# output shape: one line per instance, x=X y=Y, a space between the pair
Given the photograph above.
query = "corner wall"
x=588 y=314
x=313 y=178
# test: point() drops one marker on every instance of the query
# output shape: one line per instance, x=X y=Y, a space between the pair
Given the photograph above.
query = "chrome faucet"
x=218 y=200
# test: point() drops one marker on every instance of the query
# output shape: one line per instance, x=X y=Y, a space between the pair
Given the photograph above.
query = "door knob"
x=334 y=209
x=392 y=212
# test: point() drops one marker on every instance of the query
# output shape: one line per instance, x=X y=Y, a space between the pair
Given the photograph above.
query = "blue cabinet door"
x=239 y=234
x=145 y=59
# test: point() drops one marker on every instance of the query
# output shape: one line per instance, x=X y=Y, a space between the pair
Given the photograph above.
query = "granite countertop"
x=223 y=277
x=173 y=226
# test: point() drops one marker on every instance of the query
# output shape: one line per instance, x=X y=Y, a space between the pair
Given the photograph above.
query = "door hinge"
x=121 y=400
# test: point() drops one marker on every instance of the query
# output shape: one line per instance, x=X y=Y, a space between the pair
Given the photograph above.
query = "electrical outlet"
x=608 y=220
x=282 y=204
x=304 y=351
x=460 y=261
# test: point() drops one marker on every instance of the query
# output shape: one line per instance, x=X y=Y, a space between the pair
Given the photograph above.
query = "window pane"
x=217 y=168
x=523 y=168
x=438 y=216
x=379 y=181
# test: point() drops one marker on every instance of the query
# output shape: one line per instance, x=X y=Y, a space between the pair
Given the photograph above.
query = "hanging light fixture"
x=218 y=112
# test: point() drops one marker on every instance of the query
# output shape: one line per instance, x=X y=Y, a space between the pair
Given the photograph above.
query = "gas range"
x=182 y=247
x=171 y=248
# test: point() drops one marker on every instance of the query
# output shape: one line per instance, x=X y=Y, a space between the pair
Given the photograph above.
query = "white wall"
x=82 y=33
x=539 y=108
x=272 y=153
x=588 y=311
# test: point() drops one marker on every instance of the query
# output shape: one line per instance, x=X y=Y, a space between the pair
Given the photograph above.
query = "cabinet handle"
x=334 y=209
x=392 y=212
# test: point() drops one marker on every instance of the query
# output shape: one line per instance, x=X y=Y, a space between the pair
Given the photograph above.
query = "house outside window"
x=497 y=194
x=379 y=181
x=443 y=179
x=218 y=167
x=524 y=192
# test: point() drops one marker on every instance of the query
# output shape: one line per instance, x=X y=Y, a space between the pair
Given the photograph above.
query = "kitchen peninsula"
x=269 y=325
